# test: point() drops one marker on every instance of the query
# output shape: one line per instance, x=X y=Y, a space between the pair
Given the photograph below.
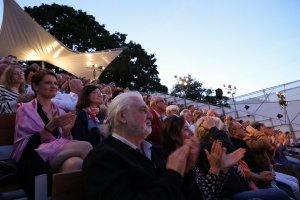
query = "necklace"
x=47 y=112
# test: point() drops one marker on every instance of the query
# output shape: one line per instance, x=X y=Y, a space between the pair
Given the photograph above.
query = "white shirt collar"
x=146 y=145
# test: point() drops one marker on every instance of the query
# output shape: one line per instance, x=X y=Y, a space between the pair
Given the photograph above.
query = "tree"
x=195 y=90
x=134 y=68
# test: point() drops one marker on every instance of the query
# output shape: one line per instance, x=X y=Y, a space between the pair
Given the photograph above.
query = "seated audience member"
x=116 y=92
x=35 y=66
x=263 y=179
x=43 y=143
x=209 y=129
x=157 y=109
x=28 y=74
x=126 y=166
x=63 y=82
x=112 y=86
x=187 y=115
x=148 y=99
x=68 y=101
x=258 y=138
x=107 y=94
x=12 y=58
x=3 y=65
x=191 y=108
x=172 y=110
x=88 y=119
x=211 y=113
x=12 y=89
x=175 y=131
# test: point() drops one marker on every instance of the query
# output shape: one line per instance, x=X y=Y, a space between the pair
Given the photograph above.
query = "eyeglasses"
x=162 y=101
x=97 y=93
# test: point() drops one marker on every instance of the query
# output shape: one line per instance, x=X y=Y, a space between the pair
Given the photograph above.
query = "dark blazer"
x=156 y=124
x=80 y=129
x=113 y=170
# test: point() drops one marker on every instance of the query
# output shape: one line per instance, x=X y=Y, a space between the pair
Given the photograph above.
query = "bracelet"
x=46 y=129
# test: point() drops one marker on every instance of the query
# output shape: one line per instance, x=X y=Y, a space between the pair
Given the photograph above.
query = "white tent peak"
x=21 y=36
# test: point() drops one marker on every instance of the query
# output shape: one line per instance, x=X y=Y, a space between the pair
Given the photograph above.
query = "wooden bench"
x=68 y=185
x=7 y=129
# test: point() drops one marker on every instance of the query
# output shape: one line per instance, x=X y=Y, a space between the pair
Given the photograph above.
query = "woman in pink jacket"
x=43 y=143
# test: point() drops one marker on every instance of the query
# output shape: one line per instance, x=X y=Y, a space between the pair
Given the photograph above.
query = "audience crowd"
x=137 y=146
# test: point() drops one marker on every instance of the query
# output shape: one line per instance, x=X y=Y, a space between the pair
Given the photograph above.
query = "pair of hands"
x=252 y=131
x=184 y=158
x=65 y=122
x=267 y=176
x=219 y=160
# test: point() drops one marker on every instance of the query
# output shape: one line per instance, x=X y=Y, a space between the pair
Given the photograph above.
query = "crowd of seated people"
x=137 y=146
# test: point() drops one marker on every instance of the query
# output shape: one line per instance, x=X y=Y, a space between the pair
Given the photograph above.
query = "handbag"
x=8 y=171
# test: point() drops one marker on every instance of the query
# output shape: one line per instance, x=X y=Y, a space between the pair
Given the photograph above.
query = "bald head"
x=75 y=85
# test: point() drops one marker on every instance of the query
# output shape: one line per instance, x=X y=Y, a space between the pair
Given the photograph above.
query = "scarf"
x=92 y=113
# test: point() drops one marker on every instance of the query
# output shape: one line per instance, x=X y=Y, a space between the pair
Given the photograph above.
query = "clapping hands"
x=184 y=158
x=219 y=160
x=65 y=121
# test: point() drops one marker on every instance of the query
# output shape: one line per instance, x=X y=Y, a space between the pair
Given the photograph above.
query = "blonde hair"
x=203 y=134
x=7 y=77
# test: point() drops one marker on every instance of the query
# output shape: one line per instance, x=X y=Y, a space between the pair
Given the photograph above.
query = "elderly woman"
x=211 y=129
x=12 y=89
x=43 y=143
x=208 y=185
x=89 y=119
x=172 y=110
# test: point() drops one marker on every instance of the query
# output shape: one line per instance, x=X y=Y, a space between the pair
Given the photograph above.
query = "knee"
x=72 y=164
x=86 y=147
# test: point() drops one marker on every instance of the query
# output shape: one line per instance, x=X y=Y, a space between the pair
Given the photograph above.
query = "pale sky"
x=252 y=44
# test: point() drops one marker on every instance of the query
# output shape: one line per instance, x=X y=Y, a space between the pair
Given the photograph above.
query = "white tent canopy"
x=21 y=36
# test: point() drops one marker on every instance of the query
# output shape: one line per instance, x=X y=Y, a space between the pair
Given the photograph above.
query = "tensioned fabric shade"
x=21 y=36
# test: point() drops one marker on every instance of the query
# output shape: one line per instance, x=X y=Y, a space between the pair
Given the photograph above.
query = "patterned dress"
x=210 y=184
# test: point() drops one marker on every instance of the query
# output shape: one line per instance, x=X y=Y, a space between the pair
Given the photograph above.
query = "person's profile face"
x=138 y=118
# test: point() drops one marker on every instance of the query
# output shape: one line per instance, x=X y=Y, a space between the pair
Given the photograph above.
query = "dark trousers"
x=31 y=165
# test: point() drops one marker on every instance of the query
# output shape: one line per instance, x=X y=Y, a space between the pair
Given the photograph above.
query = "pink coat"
x=28 y=122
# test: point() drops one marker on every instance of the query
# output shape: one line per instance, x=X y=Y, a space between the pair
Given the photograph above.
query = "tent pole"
x=43 y=65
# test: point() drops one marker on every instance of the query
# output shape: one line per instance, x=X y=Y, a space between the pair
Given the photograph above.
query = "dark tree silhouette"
x=195 y=90
x=134 y=68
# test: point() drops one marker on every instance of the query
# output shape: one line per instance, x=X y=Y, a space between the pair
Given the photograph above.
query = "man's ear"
x=121 y=116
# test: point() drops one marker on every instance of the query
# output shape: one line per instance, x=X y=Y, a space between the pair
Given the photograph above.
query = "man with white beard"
x=126 y=166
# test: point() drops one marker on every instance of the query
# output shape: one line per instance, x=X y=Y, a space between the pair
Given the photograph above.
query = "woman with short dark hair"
x=43 y=143
x=89 y=119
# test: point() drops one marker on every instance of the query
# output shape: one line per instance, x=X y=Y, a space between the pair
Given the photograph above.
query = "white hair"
x=154 y=100
x=219 y=124
x=184 y=112
x=171 y=108
x=120 y=103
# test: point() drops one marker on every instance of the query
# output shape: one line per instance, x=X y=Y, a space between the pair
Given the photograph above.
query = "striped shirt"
x=8 y=101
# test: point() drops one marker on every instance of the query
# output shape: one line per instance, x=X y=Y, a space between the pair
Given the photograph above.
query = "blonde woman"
x=12 y=85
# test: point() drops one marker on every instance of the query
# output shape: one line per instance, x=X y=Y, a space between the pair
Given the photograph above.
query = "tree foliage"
x=77 y=30
x=195 y=90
